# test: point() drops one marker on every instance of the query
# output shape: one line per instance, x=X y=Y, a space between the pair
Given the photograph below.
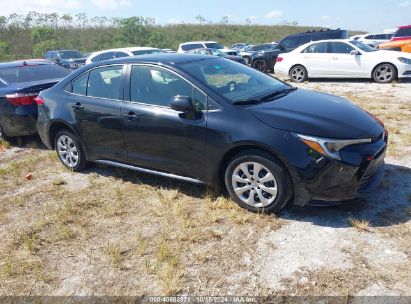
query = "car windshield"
x=70 y=54
x=214 y=45
x=362 y=46
x=30 y=73
x=233 y=80
x=217 y=52
x=145 y=52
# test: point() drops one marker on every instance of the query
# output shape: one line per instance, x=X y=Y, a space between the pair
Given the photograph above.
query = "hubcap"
x=297 y=74
x=384 y=73
x=254 y=184
x=67 y=151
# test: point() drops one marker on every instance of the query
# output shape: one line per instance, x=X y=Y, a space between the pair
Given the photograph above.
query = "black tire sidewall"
x=258 y=62
x=280 y=173
x=305 y=73
x=82 y=164
x=394 y=76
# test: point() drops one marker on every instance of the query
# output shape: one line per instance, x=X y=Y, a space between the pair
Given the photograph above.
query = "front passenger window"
x=105 y=82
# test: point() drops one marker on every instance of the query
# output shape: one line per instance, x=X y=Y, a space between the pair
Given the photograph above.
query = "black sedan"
x=218 y=53
x=210 y=120
x=20 y=83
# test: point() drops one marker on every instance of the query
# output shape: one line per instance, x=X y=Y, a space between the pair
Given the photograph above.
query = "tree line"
x=31 y=35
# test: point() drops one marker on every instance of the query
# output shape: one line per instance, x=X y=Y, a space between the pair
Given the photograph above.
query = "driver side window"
x=157 y=86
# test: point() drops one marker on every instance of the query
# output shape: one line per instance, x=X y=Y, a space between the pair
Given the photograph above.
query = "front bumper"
x=330 y=181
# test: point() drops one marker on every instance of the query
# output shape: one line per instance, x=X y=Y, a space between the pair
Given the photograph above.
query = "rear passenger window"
x=318 y=48
x=121 y=54
x=80 y=85
x=108 y=56
x=189 y=47
x=105 y=82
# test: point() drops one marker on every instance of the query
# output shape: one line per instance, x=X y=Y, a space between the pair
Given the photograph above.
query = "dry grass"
x=148 y=234
x=360 y=225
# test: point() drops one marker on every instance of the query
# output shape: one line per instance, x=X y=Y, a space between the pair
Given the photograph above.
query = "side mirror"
x=182 y=104
x=355 y=52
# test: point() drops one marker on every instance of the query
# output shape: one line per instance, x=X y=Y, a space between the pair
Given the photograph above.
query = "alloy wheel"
x=254 y=184
x=384 y=73
x=298 y=74
x=67 y=151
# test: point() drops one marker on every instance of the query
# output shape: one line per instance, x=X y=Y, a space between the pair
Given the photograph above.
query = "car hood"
x=317 y=114
x=389 y=54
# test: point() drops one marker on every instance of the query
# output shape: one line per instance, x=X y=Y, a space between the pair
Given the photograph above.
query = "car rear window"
x=145 y=52
x=30 y=73
x=193 y=46
x=403 y=32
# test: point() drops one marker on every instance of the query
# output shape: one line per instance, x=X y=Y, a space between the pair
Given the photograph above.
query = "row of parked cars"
x=201 y=118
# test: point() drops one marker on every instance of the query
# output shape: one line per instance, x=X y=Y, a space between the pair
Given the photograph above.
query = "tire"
x=384 y=73
x=69 y=151
x=252 y=192
x=260 y=65
x=298 y=74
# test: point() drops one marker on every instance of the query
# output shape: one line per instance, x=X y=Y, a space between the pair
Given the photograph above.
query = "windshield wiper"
x=247 y=102
x=278 y=93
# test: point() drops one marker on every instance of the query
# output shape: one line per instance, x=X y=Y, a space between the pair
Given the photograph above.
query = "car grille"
x=373 y=170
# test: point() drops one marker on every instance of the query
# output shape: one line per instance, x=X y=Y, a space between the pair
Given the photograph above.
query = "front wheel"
x=384 y=73
x=257 y=182
x=69 y=151
x=298 y=74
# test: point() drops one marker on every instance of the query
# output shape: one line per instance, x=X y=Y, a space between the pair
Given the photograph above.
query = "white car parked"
x=343 y=59
x=188 y=46
x=375 y=39
x=121 y=52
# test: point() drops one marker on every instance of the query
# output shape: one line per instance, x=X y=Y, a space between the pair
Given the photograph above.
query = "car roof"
x=24 y=62
x=194 y=42
x=405 y=26
x=128 y=49
x=162 y=58
x=321 y=32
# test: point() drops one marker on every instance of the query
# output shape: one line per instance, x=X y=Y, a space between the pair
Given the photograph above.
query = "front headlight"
x=404 y=60
x=330 y=147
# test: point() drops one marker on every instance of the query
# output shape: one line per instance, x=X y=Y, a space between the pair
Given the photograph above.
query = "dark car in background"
x=265 y=60
x=248 y=51
x=217 y=52
x=70 y=59
x=20 y=83
x=209 y=120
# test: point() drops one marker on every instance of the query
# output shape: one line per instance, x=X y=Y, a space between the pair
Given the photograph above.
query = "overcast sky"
x=369 y=15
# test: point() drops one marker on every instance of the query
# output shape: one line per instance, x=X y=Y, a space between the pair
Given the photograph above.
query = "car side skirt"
x=144 y=170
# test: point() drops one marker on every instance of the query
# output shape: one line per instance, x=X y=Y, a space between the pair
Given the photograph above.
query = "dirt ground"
x=115 y=232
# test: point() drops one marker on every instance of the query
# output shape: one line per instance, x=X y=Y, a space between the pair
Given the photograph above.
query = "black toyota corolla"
x=218 y=122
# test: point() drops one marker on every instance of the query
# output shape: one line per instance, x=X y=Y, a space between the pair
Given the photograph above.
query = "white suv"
x=121 y=52
x=188 y=46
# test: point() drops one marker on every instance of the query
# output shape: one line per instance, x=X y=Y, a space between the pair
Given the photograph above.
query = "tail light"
x=21 y=99
x=39 y=100
x=279 y=59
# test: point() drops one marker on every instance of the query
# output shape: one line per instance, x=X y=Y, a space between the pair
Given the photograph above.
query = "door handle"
x=78 y=106
x=130 y=115
x=334 y=58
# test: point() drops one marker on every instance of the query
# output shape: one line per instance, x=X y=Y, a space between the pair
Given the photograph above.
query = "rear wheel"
x=69 y=151
x=260 y=65
x=258 y=182
x=384 y=73
x=298 y=74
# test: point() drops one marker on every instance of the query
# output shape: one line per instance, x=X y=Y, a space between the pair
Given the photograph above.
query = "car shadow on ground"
x=387 y=205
